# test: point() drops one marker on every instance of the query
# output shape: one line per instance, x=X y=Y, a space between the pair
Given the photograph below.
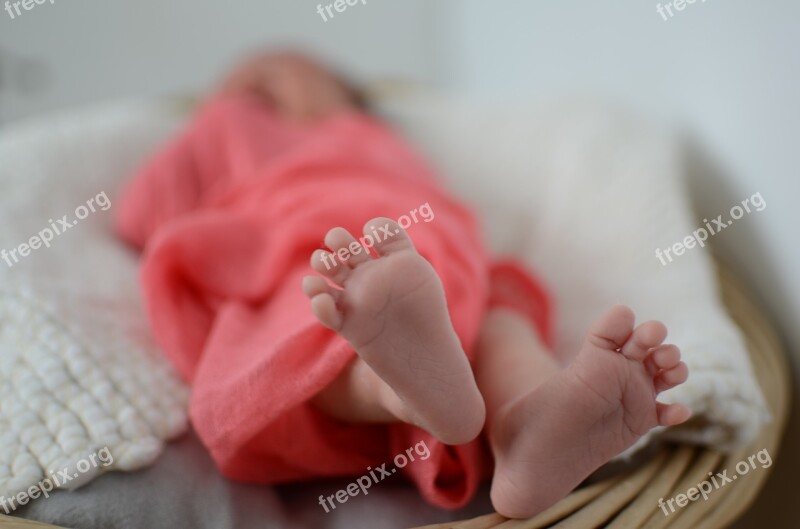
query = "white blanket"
x=78 y=369
x=583 y=195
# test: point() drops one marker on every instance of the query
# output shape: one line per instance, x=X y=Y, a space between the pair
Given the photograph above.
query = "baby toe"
x=387 y=236
x=347 y=249
x=672 y=414
x=324 y=308
x=671 y=377
x=612 y=329
x=648 y=335
x=329 y=265
x=662 y=357
x=313 y=285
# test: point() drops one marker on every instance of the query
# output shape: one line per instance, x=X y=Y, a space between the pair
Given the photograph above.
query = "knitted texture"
x=78 y=369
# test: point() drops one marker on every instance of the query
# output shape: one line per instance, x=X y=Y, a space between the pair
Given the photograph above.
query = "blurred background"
x=725 y=73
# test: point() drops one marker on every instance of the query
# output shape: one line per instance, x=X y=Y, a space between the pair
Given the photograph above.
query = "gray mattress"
x=184 y=489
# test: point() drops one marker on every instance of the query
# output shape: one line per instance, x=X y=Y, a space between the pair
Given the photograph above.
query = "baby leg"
x=510 y=360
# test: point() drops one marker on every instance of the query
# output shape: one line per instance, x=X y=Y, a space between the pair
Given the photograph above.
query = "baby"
x=426 y=339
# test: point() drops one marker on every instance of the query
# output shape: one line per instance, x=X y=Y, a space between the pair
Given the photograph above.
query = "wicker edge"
x=8 y=522
x=630 y=501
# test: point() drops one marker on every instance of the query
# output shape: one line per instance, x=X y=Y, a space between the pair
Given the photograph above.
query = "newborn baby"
x=425 y=336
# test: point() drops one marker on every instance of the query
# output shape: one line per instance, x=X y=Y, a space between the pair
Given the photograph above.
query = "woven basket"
x=630 y=500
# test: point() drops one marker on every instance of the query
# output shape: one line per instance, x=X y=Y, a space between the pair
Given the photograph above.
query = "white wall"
x=80 y=50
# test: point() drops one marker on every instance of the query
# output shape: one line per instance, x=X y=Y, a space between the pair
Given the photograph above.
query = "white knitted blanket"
x=78 y=370
x=584 y=196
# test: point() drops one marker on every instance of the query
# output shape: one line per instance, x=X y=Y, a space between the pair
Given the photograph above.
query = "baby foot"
x=393 y=311
x=550 y=440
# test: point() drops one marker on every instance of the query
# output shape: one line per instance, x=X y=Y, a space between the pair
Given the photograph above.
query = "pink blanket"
x=227 y=217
